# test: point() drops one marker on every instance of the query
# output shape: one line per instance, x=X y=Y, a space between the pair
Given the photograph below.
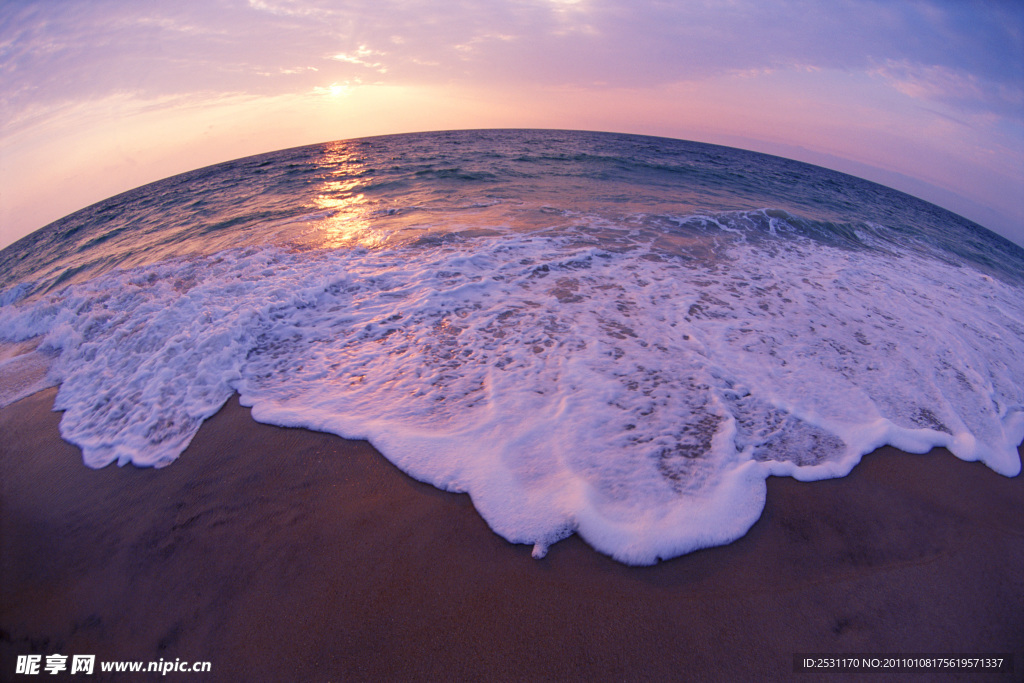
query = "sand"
x=284 y=554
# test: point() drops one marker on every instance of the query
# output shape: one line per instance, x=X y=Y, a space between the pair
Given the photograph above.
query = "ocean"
x=611 y=335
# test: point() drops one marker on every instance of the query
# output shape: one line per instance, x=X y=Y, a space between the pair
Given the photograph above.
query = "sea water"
x=610 y=335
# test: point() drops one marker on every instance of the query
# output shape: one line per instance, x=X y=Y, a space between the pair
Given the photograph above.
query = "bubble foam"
x=635 y=395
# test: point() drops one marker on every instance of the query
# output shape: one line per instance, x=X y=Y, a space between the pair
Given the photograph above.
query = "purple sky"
x=99 y=97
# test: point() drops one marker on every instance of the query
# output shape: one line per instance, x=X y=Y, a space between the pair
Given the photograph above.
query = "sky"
x=98 y=97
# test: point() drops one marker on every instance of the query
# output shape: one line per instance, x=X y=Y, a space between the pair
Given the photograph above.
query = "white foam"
x=637 y=398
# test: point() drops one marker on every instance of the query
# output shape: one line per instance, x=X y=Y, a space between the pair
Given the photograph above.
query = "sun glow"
x=333 y=90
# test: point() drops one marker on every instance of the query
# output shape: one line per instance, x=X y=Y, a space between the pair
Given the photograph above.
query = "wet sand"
x=284 y=554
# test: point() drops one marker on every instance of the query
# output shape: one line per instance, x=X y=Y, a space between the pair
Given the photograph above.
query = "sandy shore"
x=282 y=554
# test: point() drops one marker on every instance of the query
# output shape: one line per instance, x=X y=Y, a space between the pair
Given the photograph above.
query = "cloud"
x=291 y=8
x=362 y=56
x=74 y=49
x=954 y=87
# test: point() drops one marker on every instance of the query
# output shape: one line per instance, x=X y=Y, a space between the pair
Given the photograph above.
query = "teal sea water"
x=611 y=335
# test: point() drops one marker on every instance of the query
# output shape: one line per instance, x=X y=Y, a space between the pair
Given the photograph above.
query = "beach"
x=286 y=554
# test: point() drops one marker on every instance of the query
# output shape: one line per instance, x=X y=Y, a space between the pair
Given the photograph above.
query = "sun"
x=333 y=90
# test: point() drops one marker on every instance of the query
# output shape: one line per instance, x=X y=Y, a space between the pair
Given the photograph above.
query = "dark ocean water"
x=614 y=335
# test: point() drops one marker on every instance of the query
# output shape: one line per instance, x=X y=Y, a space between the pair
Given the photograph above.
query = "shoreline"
x=286 y=554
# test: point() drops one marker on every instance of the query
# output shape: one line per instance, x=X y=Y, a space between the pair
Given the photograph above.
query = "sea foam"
x=635 y=386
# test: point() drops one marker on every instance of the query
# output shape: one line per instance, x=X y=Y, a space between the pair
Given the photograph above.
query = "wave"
x=633 y=381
